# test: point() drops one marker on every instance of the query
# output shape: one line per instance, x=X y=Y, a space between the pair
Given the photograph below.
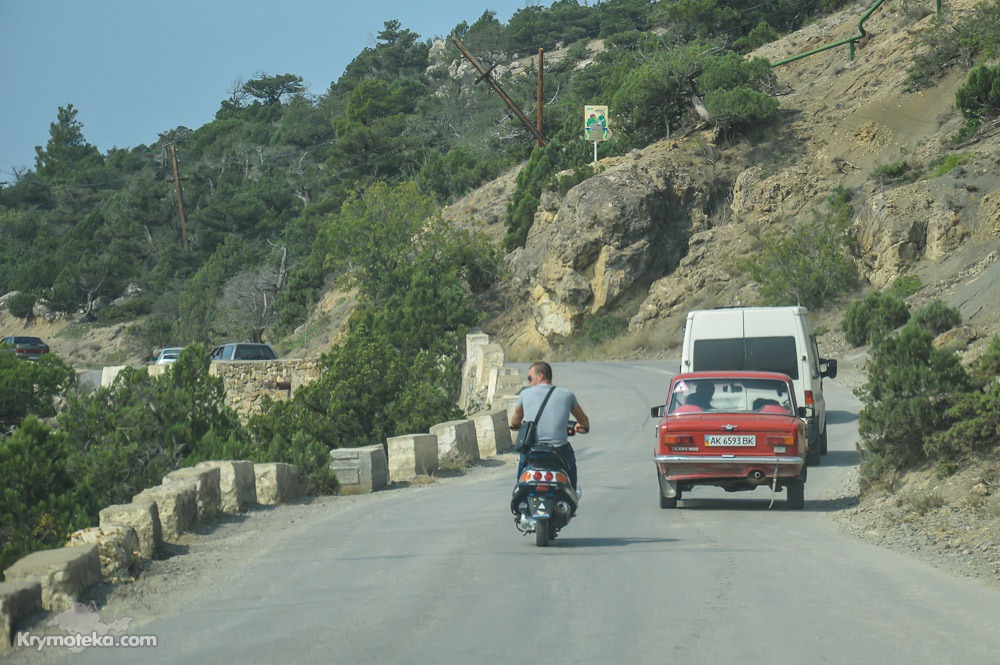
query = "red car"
x=734 y=430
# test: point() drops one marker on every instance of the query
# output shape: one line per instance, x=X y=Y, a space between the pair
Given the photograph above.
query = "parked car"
x=25 y=348
x=774 y=339
x=243 y=351
x=169 y=355
x=734 y=430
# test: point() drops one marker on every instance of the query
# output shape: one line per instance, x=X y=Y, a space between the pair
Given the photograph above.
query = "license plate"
x=731 y=440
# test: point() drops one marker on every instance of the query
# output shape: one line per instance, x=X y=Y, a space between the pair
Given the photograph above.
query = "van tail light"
x=809 y=399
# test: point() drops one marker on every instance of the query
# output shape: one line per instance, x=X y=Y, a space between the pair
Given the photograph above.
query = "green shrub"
x=30 y=387
x=125 y=437
x=599 y=329
x=904 y=286
x=949 y=162
x=987 y=366
x=38 y=503
x=21 y=305
x=973 y=426
x=979 y=96
x=812 y=263
x=564 y=183
x=901 y=171
x=938 y=316
x=909 y=388
x=870 y=319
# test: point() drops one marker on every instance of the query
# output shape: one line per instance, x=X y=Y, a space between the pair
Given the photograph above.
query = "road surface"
x=438 y=574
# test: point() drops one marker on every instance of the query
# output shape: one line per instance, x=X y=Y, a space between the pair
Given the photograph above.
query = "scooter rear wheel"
x=542 y=533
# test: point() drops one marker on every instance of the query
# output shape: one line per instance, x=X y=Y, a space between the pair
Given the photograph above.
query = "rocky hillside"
x=666 y=229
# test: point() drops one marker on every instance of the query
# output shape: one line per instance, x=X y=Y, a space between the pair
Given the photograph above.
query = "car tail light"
x=677 y=439
x=781 y=444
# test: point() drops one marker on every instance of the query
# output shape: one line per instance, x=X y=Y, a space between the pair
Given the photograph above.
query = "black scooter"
x=544 y=501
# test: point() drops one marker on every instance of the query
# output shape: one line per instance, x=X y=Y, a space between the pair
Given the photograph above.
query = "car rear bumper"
x=687 y=467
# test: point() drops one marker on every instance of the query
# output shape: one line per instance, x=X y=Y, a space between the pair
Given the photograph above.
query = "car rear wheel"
x=666 y=502
x=822 y=442
x=796 y=493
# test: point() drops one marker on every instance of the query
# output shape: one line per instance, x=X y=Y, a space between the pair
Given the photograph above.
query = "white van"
x=776 y=339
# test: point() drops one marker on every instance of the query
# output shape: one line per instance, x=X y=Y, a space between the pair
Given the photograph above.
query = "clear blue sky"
x=136 y=68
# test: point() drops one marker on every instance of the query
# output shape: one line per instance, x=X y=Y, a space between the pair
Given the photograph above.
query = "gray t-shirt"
x=555 y=417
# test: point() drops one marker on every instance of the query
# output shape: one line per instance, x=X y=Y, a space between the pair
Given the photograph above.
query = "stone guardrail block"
x=143 y=517
x=18 y=600
x=456 y=441
x=363 y=469
x=64 y=574
x=206 y=483
x=108 y=374
x=503 y=381
x=117 y=549
x=237 y=485
x=412 y=455
x=177 y=506
x=276 y=483
x=492 y=432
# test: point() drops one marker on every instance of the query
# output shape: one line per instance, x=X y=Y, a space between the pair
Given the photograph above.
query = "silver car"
x=169 y=355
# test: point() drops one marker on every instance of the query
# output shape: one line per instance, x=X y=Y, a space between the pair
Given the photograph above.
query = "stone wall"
x=247 y=382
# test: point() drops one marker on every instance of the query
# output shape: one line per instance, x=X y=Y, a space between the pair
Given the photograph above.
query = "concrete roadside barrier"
x=412 y=455
x=64 y=574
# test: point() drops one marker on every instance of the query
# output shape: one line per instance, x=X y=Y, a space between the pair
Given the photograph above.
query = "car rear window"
x=758 y=354
x=245 y=352
x=28 y=340
x=730 y=395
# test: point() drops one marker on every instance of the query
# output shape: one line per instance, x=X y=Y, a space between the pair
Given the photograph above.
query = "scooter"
x=544 y=501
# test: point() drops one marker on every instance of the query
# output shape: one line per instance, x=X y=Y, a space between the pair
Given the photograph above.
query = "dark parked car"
x=243 y=351
x=25 y=348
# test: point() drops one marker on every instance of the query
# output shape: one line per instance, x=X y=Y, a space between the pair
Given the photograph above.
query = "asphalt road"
x=438 y=574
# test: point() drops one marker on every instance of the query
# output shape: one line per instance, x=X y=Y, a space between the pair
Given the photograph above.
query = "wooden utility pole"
x=538 y=111
x=180 y=198
x=486 y=75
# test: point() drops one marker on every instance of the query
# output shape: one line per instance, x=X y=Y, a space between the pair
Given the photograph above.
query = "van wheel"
x=822 y=442
x=814 y=455
x=796 y=493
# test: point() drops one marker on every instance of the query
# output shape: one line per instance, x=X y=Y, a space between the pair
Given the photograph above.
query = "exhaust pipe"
x=756 y=477
x=562 y=507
